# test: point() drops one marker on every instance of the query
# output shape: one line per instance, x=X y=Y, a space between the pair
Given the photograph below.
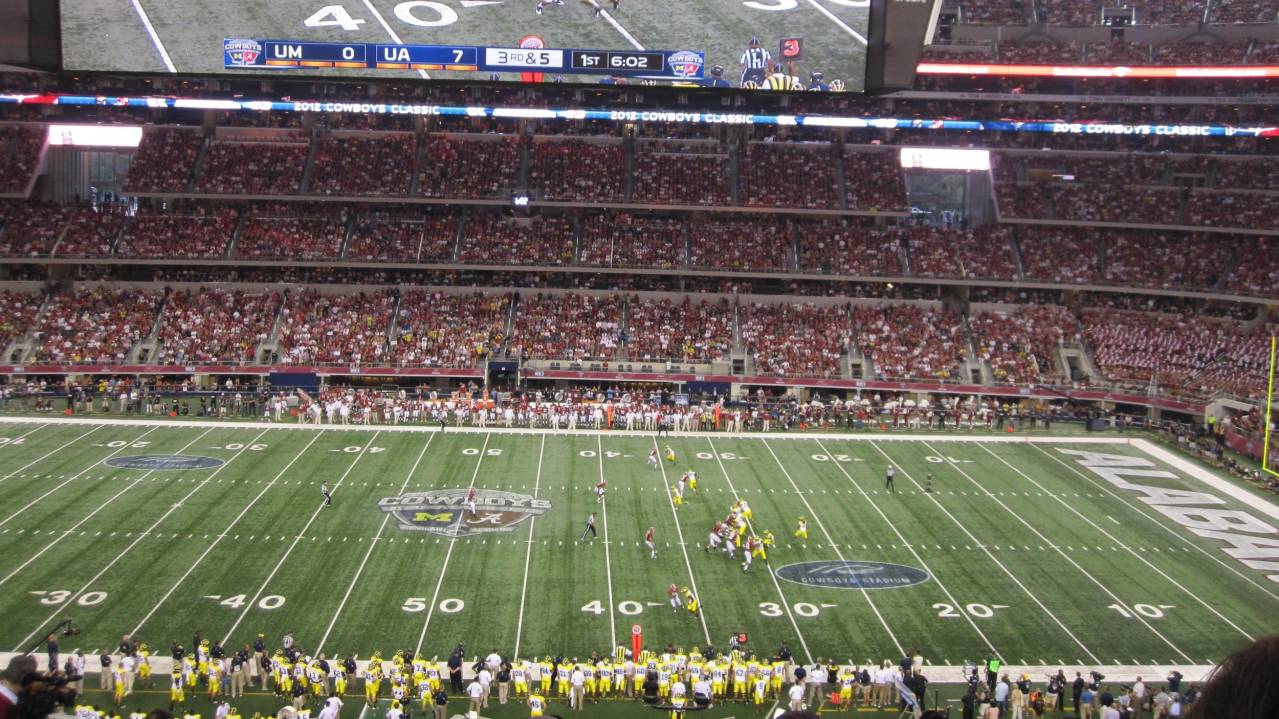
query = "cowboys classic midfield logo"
x=443 y=511
x=853 y=575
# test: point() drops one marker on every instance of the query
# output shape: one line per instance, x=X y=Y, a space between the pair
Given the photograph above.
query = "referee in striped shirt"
x=755 y=61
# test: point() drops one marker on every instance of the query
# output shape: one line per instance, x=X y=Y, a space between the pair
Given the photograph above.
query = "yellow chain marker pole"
x=1270 y=394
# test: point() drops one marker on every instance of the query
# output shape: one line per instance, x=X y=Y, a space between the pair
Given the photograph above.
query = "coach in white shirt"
x=578 y=680
x=476 y=692
x=796 y=695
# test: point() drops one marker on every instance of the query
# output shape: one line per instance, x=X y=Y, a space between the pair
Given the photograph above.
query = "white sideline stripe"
x=618 y=27
x=912 y=549
x=791 y=436
x=860 y=37
x=831 y=541
x=360 y=570
x=253 y=602
x=782 y=595
x=1136 y=615
x=118 y=450
x=430 y=610
x=1253 y=501
x=978 y=543
x=49 y=454
x=155 y=39
x=528 y=554
x=223 y=534
x=936 y=673
x=142 y=535
x=1154 y=518
x=90 y=515
x=608 y=562
x=701 y=614
x=382 y=21
x=1129 y=550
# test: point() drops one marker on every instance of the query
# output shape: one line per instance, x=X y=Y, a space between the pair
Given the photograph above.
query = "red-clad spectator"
x=441 y=330
x=578 y=170
x=97 y=326
x=20 y=147
x=626 y=240
x=293 y=231
x=910 y=342
x=848 y=249
x=17 y=313
x=673 y=173
x=204 y=232
x=1020 y=347
x=796 y=340
x=787 y=174
x=567 y=326
x=659 y=330
x=489 y=239
x=165 y=160
x=950 y=252
x=349 y=330
x=364 y=164
x=740 y=245
x=215 y=325
x=479 y=167
x=874 y=180
x=252 y=168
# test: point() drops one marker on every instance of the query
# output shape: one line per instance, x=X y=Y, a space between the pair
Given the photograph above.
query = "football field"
x=185 y=36
x=1022 y=550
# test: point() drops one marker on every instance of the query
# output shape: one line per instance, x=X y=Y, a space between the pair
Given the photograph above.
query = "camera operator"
x=11 y=684
x=26 y=693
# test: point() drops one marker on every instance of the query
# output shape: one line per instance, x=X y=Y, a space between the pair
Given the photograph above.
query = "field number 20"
x=979 y=611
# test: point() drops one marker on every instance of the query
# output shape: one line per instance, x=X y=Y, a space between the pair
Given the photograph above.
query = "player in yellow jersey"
x=663 y=680
x=690 y=601
x=678 y=705
x=177 y=690
x=692 y=481
x=718 y=675
x=433 y=673
x=561 y=679
x=548 y=673
x=202 y=657
x=677 y=495
x=670 y=454
x=766 y=540
x=536 y=705
x=588 y=678
x=189 y=671
x=339 y=679
x=144 y=665
x=117 y=681
x=216 y=670
x=317 y=678
x=847 y=684
x=801 y=529
x=285 y=685
x=372 y=682
x=519 y=677
x=739 y=679
x=604 y=672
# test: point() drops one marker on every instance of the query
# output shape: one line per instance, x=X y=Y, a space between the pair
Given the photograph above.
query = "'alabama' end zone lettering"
x=1193 y=510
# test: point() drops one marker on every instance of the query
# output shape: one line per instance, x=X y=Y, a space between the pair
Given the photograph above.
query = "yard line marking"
x=90 y=515
x=71 y=599
x=528 y=554
x=782 y=595
x=155 y=39
x=608 y=562
x=992 y=557
x=701 y=614
x=1129 y=550
x=430 y=610
x=820 y=525
x=382 y=21
x=360 y=570
x=253 y=602
x=918 y=558
x=64 y=483
x=1136 y=615
x=618 y=27
x=835 y=18
x=17 y=472
x=1153 y=518
x=235 y=521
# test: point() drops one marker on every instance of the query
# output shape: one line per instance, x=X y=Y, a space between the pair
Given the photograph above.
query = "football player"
x=652 y=457
x=547 y=672
x=519 y=676
x=543 y=3
x=672 y=596
x=648 y=542
x=536 y=705
x=600 y=488
x=177 y=689
x=714 y=539
x=801 y=529
x=670 y=454
x=604 y=674
x=470 y=502
x=690 y=601
x=677 y=495
x=816 y=82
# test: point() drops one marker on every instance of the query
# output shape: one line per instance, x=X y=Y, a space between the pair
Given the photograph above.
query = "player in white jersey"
x=600 y=488
x=653 y=461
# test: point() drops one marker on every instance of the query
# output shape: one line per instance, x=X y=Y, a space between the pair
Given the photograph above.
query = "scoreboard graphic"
x=817 y=45
x=246 y=54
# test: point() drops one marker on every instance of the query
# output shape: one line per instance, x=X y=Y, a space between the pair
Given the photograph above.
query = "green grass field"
x=1028 y=554
x=111 y=35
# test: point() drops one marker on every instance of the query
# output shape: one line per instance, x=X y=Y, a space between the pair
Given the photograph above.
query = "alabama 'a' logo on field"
x=444 y=511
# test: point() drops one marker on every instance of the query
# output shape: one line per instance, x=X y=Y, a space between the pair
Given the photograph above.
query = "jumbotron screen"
x=764 y=44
